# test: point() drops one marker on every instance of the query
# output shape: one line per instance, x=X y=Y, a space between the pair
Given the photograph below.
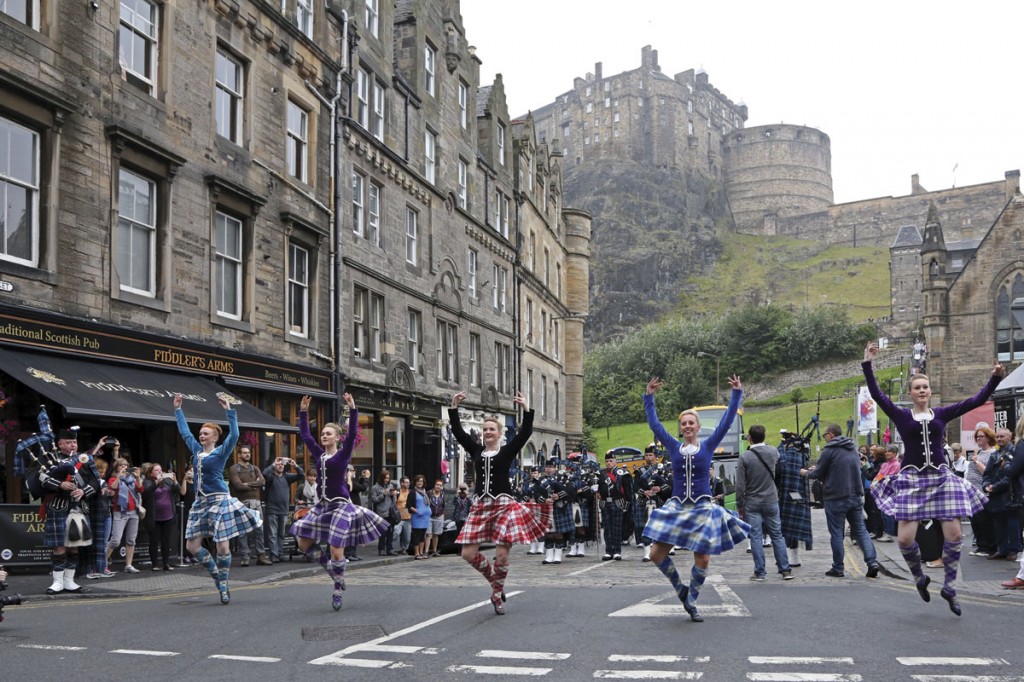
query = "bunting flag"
x=867 y=412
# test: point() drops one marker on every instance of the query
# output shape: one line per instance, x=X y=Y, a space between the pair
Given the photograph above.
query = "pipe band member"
x=691 y=519
x=334 y=519
x=496 y=516
x=926 y=488
x=214 y=514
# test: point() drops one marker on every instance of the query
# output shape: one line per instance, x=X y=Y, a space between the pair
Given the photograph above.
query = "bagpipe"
x=36 y=455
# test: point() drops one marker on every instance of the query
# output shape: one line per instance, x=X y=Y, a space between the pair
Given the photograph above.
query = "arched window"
x=1009 y=334
x=933 y=269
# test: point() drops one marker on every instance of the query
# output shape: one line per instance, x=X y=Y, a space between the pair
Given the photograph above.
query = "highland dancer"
x=925 y=487
x=691 y=519
x=496 y=516
x=215 y=514
x=334 y=519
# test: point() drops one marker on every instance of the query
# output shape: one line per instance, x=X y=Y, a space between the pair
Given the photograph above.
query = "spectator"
x=959 y=463
x=308 y=495
x=757 y=500
x=460 y=507
x=245 y=481
x=981 y=523
x=419 y=512
x=405 y=528
x=279 y=498
x=357 y=487
x=127 y=486
x=849 y=427
x=1003 y=498
x=717 y=487
x=160 y=494
x=365 y=482
x=875 y=524
x=1012 y=477
x=383 y=497
x=890 y=467
x=188 y=496
x=436 y=500
x=99 y=518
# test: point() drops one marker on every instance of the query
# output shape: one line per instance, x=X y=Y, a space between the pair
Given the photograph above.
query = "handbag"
x=142 y=511
x=394 y=517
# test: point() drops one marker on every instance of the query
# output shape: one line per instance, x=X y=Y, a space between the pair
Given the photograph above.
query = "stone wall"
x=810 y=376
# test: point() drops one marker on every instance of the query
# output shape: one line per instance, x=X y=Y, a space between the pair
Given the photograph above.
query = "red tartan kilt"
x=503 y=521
x=541 y=512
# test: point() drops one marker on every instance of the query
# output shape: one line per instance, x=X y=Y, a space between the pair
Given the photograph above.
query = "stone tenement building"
x=776 y=178
x=268 y=200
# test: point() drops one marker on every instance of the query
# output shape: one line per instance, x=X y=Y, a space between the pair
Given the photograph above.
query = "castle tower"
x=935 y=292
x=776 y=171
x=577 y=298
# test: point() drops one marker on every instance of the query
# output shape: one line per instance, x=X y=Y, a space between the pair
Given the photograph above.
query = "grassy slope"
x=837 y=405
x=754 y=269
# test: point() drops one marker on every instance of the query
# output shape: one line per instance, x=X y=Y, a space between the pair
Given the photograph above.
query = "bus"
x=733 y=443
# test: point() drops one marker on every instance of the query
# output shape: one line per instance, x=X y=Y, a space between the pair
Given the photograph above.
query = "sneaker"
x=787 y=575
x=107 y=574
x=873 y=570
x=885 y=538
x=978 y=552
x=130 y=569
x=833 y=573
x=275 y=559
x=92 y=576
x=758 y=578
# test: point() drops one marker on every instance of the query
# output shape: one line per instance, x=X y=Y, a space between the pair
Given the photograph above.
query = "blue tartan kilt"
x=703 y=527
x=584 y=514
x=796 y=521
x=640 y=512
x=55 y=529
x=220 y=517
x=929 y=493
x=340 y=523
x=561 y=519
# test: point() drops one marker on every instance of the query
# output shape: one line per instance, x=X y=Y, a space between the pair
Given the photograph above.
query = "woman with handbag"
x=383 y=498
x=125 y=506
x=334 y=520
x=160 y=493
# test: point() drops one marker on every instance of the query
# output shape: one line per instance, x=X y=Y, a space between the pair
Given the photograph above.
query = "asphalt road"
x=583 y=619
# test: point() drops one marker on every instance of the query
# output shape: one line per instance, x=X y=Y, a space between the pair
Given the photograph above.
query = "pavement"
x=978 y=575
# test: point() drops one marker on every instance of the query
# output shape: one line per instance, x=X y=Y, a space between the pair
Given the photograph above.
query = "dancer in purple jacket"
x=926 y=488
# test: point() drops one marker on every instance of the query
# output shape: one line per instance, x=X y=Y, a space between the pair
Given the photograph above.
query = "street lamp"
x=718 y=385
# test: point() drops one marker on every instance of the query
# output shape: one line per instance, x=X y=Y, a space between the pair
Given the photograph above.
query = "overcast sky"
x=900 y=87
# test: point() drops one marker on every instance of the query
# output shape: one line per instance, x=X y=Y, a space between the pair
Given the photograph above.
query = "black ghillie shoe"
x=498 y=602
x=954 y=603
x=336 y=601
x=922 y=589
x=692 y=610
x=225 y=593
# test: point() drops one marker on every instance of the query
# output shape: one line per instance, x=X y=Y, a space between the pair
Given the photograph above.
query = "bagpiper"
x=532 y=495
x=557 y=494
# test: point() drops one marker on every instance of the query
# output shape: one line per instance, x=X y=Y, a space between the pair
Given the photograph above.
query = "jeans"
x=768 y=514
x=277 y=526
x=404 y=534
x=1007 y=531
x=251 y=543
x=890 y=525
x=848 y=510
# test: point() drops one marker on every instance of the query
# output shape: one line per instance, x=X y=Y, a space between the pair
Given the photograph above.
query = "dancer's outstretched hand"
x=653 y=385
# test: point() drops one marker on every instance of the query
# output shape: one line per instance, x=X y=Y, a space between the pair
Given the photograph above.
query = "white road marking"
x=965 y=678
x=948 y=660
x=337 y=658
x=247 y=659
x=731 y=606
x=523 y=655
x=803 y=677
x=51 y=647
x=357 y=662
x=589 y=568
x=144 y=652
x=656 y=658
x=794 y=660
x=498 y=670
x=647 y=675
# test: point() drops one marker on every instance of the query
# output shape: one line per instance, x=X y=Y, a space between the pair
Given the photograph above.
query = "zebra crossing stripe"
x=656 y=658
x=498 y=670
x=966 y=678
x=948 y=660
x=799 y=660
x=523 y=655
x=803 y=677
x=647 y=675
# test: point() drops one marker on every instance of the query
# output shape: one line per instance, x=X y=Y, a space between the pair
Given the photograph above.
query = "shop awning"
x=99 y=389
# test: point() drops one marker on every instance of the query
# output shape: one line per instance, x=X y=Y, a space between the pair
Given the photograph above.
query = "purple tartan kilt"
x=500 y=520
x=340 y=523
x=703 y=527
x=930 y=493
x=220 y=517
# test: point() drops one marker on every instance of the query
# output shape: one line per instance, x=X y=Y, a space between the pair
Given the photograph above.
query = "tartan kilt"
x=584 y=515
x=541 y=512
x=703 y=527
x=562 y=520
x=796 y=521
x=220 y=517
x=640 y=512
x=340 y=523
x=930 y=493
x=500 y=520
x=55 y=529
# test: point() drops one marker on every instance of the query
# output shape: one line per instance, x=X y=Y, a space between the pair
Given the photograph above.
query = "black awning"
x=121 y=392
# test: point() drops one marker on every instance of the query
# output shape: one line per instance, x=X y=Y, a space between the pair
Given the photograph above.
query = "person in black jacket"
x=1013 y=480
x=496 y=516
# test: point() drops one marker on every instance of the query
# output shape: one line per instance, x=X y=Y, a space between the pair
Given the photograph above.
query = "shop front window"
x=362 y=453
x=394 y=445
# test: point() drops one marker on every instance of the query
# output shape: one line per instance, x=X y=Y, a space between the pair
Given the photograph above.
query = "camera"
x=111 y=441
x=13 y=600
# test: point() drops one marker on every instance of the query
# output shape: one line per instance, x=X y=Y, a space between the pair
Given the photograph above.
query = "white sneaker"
x=130 y=569
x=106 y=574
x=92 y=576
